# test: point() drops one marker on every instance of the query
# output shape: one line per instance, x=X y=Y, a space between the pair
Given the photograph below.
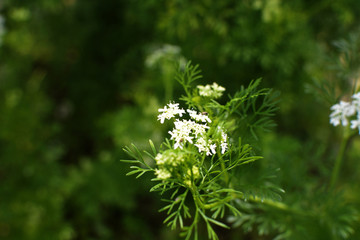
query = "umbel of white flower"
x=193 y=130
x=190 y=129
x=347 y=112
x=212 y=91
x=170 y=111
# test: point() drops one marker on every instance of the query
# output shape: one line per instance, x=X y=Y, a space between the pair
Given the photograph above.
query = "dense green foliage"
x=79 y=80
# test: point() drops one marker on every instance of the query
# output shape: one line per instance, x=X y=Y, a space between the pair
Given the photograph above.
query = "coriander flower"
x=212 y=91
x=217 y=88
x=181 y=133
x=356 y=124
x=169 y=157
x=193 y=131
x=341 y=112
x=224 y=147
x=162 y=173
x=212 y=148
x=201 y=145
x=199 y=129
x=160 y=159
x=205 y=91
x=223 y=143
x=206 y=146
x=356 y=101
x=199 y=117
x=170 y=111
x=185 y=131
x=193 y=172
x=345 y=112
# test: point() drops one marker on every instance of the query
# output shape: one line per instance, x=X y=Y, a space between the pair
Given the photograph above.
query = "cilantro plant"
x=195 y=167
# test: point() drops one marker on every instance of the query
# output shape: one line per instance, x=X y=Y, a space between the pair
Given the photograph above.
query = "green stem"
x=339 y=158
x=195 y=194
x=226 y=175
x=223 y=169
x=198 y=201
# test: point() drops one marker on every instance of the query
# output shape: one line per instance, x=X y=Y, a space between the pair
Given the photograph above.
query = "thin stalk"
x=195 y=194
x=339 y=158
x=193 y=227
x=198 y=201
x=223 y=169
x=226 y=175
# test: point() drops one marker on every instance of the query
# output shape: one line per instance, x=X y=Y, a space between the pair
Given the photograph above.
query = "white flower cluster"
x=199 y=117
x=191 y=131
x=223 y=144
x=185 y=131
x=206 y=146
x=212 y=91
x=209 y=147
x=170 y=111
x=344 y=111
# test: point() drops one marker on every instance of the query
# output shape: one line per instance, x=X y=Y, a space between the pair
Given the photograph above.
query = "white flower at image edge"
x=356 y=124
x=356 y=101
x=212 y=148
x=170 y=111
x=344 y=113
x=341 y=112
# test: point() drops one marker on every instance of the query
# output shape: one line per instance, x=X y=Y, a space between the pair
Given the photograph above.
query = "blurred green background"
x=81 y=79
